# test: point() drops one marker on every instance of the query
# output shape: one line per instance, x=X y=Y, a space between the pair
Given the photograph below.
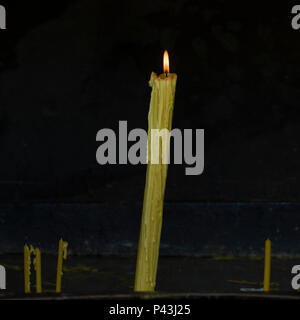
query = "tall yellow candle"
x=28 y=251
x=38 y=272
x=267 y=272
x=159 y=117
x=27 y=263
x=62 y=254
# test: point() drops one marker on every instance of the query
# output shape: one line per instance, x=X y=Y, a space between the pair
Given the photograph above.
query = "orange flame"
x=166 y=62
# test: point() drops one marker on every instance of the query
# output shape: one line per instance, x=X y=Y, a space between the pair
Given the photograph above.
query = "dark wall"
x=71 y=68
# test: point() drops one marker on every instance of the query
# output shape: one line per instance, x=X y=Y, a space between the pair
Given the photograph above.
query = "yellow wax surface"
x=27 y=263
x=28 y=251
x=38 y=272
x=62 y=254
x=267 y=272
x=159 y=117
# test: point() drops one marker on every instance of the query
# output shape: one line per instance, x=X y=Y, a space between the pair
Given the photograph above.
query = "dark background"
x=71 y=68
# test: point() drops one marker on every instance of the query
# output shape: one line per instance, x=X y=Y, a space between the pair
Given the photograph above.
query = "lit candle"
x=267 y=273
x=62 y=254
x=159 y=117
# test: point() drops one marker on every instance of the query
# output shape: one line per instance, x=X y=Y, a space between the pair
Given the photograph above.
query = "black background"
x=71 y=68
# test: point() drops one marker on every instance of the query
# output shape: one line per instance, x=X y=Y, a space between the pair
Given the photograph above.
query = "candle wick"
x=166 y=74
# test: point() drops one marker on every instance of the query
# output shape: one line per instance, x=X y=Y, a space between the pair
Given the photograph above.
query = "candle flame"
x=166 y=62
